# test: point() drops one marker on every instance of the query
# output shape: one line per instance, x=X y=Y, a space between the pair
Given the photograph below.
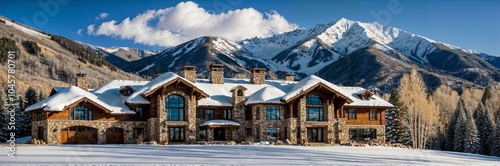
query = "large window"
x=176 y=134
x=210 y=114
x=273 y=133
x=273 y=113
x=352 y=115
x=175 y=108
x=138 y=133
x=358 y=134
x=80 y=113
x=314 y=108
x=373 y=114
x=248 y=132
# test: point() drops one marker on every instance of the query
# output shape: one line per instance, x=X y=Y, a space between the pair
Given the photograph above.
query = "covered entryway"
x=219 y=134
x=315 y=134
x=114 y=135
x=79 y=135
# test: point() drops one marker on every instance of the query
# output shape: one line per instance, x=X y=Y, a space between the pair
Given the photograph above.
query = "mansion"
x=181 y=108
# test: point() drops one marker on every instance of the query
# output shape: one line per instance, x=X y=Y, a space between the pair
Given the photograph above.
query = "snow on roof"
x=58 y=88
x=374 y=101
x=68 y=96
x=220 y=122
x=110 y=94
x=309 y=82
x=220 y=94
x=136 y=97
x=268 y=94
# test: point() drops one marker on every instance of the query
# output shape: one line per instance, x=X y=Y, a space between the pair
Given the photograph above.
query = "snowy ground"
x=236 y=155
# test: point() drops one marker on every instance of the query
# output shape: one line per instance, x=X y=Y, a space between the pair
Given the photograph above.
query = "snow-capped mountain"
x=120 y=56
x=311 y=51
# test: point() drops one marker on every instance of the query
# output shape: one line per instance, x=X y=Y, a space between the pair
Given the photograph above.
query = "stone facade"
x=82 y=82
x=189 y=73
x=258 y=76
x=216 y=74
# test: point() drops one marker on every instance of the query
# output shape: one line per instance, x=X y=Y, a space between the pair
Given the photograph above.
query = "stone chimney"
x=216 y=74
x=82 y=82
x=258 y=76
x=289 y=77
x=189 y=73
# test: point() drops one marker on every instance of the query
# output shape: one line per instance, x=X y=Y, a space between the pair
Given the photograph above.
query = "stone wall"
x=189 y=113
x=260 y=125
x=53 y=135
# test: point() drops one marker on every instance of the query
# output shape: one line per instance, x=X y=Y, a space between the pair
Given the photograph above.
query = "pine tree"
x=41 y=96
x=397 y=130
x=495 y=149
x=472 y=142
x=486 y=95
x=450 y=131
x=484 y=127
x=460 y=126
x=31 y=98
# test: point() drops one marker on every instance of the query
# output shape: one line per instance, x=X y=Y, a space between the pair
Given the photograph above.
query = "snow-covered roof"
x=374 y=101
x=70 y=95
x=310 y=81
x=268 y=94
x=221 y=95
x=109 y=97
x=220 y=123
x=136 y=97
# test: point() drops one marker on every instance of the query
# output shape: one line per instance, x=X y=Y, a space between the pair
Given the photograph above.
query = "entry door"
x=40 y=133
x=315 y=134
x=219 y=134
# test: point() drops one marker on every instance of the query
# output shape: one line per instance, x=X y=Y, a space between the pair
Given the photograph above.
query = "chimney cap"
x=186 y=67
x=289 y=74
x=80 y=74
x=258 y=70
x=216 y=65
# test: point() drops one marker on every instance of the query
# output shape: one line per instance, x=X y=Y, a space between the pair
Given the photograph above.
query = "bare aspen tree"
x=446 y=99
x=422 y=111
x=472 y=97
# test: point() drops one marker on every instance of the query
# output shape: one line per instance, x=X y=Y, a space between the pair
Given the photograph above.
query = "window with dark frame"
x=210 y=114
x=202 y=134
x=138 y=111
x=176 y=134
x=272 y=133
x=272 y=113
x=239 y=92
x=228 y=114
x=314 y=108
x=352 y=114
x=138 y=133
x=175 y=108
x=373 y=114
x=80 y=113
x=362 y=134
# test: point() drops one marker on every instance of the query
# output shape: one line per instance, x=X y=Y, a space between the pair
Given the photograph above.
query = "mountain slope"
x=319 y=49
x=55 y=64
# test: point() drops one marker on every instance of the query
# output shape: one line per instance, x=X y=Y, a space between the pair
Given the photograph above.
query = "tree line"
x=23 y=119
x=443 y=120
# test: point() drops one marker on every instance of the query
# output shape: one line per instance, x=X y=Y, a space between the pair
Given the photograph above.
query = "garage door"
x=79 y=135
x=114 y=136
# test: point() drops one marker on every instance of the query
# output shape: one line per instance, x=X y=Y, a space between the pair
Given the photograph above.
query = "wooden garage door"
x=79 y=135
x=114 y=136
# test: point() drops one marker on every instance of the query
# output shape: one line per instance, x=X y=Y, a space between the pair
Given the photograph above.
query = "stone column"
x=210 y=134
x=331 y=122
x=101 y=136
x=292 y=130
x=302 y=120
x=191 y=118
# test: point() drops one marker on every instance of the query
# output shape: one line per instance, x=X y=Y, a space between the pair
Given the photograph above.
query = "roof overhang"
x=176 y=82
x=319 y=85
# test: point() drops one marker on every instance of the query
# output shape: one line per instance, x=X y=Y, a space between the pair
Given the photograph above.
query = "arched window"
x=175 y=108
x=239 y=92
x=313 y=100
x=128 y=92
x=80 y=113
x=314 y=108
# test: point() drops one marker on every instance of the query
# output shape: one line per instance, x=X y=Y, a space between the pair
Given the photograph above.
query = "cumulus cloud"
x=102 y=16
x=185 y=21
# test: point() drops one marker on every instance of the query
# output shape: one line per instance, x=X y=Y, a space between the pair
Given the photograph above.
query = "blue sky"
x=468 y=24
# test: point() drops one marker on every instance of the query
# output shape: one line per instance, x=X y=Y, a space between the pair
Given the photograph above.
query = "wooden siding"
x=363 y=116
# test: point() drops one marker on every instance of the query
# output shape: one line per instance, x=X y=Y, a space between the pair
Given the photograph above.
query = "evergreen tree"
x=472 y=140
x=31 y=98
x=495 y=150
x=450 y=132
x=460 y=127
x=41 y=96
x=396 y=130
x=486 y=95
x=484 y=127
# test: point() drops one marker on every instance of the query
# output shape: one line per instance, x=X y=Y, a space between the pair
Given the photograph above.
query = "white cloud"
x=175 y=25
x=102 y=16
x=79 y=32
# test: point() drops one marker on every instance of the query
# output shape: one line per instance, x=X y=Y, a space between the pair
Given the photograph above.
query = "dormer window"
x=365 y=95
x=126 y=91
x=238 y=91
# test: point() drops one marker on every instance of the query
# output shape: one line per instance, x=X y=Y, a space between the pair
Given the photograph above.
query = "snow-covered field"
x=236 y=155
